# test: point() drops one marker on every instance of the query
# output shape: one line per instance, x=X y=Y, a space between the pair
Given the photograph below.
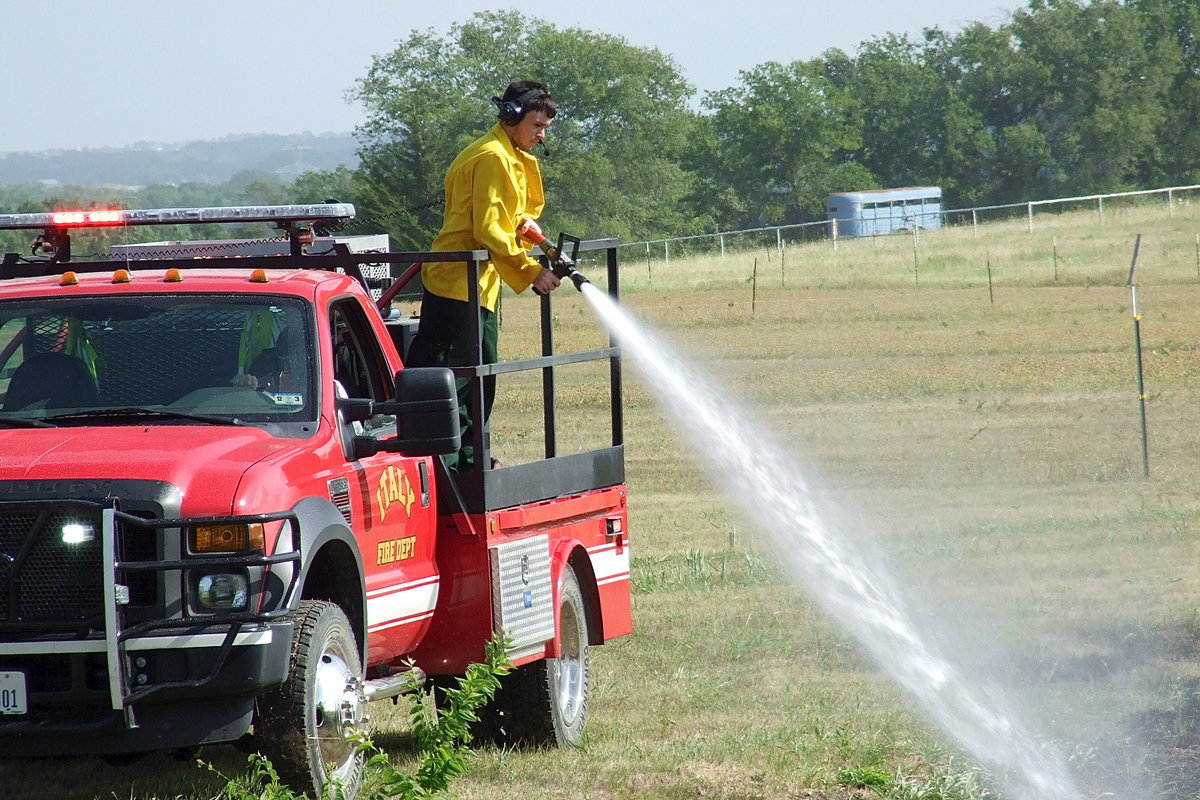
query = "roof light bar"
x=177 y=216
x=105 y=217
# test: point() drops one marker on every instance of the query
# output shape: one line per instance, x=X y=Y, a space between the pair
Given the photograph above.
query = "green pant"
x=444 y=340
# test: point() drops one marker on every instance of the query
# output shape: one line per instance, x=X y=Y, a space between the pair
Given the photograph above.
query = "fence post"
x=975 y=223
x=666 y=254
x=991 y=293
x=1100 y=208
x=722 y=245
x=1137 y=340
x=1029 y=216
x=779 y=242
x=754 y=287
x=833 y=232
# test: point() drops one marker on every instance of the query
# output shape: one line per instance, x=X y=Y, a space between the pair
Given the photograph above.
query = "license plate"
x=12 y=693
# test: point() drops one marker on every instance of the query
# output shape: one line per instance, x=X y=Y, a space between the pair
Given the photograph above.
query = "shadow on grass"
x=1170 y=736
x=164 y=775
x=161 y=775
x=1150 y=746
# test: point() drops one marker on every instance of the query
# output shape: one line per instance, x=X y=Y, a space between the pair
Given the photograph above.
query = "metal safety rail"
x=484 y=488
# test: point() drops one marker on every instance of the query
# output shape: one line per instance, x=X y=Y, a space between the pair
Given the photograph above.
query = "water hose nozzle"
x=562 y=264
x=564 y=268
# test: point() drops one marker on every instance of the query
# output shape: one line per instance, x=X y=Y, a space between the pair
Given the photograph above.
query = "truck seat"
x=55 y=380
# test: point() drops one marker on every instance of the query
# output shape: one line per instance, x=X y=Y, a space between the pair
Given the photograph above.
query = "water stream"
x=770 y=489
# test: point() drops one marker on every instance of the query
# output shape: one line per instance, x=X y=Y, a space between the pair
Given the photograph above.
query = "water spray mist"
x=771 y=490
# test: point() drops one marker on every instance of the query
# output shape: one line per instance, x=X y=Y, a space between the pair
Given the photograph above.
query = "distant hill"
x=211 y=160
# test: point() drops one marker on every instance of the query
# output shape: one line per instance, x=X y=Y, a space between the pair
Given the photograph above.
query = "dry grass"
x=992 y=447
x=991 y=442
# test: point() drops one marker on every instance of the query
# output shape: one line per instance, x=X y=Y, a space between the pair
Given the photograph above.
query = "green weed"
x=442 y=732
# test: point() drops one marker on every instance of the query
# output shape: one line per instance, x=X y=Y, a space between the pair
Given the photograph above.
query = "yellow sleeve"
x=496 y=201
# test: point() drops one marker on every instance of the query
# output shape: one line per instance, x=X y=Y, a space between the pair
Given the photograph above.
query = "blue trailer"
x=881 y=211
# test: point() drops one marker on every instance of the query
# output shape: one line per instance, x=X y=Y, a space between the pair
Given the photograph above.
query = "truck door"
x=390 y=497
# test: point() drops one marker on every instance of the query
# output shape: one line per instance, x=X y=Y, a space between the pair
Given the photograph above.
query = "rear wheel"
x=545 y=703
x=303 y=726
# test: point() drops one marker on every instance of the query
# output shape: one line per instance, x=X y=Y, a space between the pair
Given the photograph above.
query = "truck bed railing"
x=483 y=488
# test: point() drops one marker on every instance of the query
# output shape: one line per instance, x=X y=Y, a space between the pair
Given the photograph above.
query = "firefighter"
x=493 y=193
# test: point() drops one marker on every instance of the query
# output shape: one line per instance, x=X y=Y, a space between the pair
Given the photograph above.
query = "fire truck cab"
x=224 y=512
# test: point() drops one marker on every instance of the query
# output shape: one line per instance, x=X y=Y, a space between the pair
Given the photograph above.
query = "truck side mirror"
x=426 y=411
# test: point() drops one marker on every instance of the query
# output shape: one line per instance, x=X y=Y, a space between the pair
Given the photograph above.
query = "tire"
x=545 y=704
x=302 y=725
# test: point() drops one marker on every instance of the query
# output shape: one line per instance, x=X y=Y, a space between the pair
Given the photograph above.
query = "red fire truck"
x=224 y=511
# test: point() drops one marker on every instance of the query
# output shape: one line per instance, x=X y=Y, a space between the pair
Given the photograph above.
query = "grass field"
x=988 y=441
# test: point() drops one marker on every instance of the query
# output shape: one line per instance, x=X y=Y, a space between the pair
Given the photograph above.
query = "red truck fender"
x=332 y=566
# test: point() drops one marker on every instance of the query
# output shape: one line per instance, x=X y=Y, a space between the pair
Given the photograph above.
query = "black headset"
x=511 y=110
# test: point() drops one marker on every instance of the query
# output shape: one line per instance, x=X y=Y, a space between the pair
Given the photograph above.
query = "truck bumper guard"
x=19 y=637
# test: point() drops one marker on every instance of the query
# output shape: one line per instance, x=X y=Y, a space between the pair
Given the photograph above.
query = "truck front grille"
x=51 y=565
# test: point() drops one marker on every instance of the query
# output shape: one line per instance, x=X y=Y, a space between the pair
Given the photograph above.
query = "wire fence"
x=777 y=237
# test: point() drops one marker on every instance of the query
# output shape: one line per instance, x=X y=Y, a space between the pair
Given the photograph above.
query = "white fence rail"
x=826 y=229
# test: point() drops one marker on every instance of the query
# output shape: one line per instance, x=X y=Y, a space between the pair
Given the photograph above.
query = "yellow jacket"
x=490 y=188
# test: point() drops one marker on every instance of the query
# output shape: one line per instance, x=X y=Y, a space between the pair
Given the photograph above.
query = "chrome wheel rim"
x=339 y=709
x=570 y=667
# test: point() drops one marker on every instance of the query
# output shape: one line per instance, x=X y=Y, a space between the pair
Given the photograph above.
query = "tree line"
x=1066 y=98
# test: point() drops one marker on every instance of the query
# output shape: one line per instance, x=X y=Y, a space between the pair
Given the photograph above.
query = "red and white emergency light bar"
x=97 y=218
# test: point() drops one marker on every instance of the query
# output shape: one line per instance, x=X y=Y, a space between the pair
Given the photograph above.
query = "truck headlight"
x=222 y=591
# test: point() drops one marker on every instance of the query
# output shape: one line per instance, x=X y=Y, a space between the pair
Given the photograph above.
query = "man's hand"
x=546 y=282
x=530 y=231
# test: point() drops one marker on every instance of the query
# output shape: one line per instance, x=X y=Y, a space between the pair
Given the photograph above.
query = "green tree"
x=1089 y=99
x=974 y=67
x=622 y=125
x=315 y=186
x=1169 y=33
x=782 y=140
x=900 y=97
x=253 y=187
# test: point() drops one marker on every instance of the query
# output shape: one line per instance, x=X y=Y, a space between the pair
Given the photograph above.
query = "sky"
x=115 y=73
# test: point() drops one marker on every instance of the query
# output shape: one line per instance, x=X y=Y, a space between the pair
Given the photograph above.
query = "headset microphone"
x=545 y=149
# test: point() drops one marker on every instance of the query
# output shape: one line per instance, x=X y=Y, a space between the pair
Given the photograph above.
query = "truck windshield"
x=161 y=359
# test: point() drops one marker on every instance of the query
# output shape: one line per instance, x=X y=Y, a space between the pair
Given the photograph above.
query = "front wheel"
x=546 y=703
x=304 y=725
